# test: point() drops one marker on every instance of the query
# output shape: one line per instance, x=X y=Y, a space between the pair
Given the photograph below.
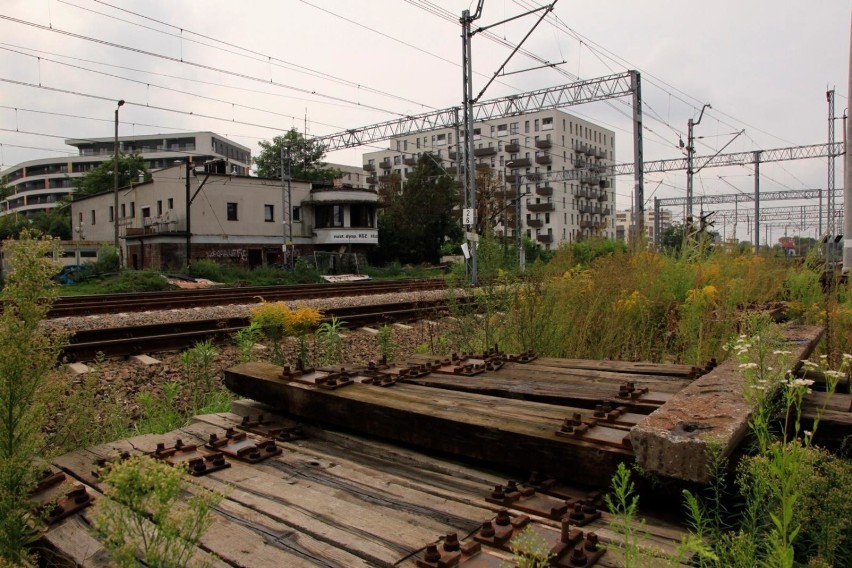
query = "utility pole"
x=756 y=201
x=690 y=154
x=847 y=186
x=638 y=163
x=829 y=202
x=116 y=242
x=286 y=210
x=469 y=159
x=188 y=213
x=469 y=213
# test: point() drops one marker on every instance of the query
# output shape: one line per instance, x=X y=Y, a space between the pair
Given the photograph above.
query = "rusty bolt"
x=607 y=406
x=577 y=514
x=212 y=439
x=623 y=392
x=591 y=543
x=565 y=535
x=229 y=432
x=432 y=553
x=503 y=519
x=79 y=495
x=589 y=508
x=578 y=557
x=498 y=492
x=178 y=444
x=511 y=486
x=567 y=426
x=198 y=465
x=56 y=510
x=599 y=413
x=161 y=447
x=254 y=455
x=218 y=460
x=451 y=543
x=577 y=418
x=245 y=420
x=487 y=530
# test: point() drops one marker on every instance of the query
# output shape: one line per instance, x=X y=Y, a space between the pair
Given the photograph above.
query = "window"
x=418 y=142
x=132 y=209
x=502 y=130
x=547 y=123
x=111 y=214
x=397 y=160
x=405 y=145
x=297 y=214
x=536 y=125
x=526 y=126
x=93 y=216
x=441 y=140
x=146 y=213
x=171 y=203
x=159 y=207
x=269 y=213
x=123 y=211
x=232 y=211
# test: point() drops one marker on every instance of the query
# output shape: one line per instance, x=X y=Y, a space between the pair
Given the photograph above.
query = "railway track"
x=72 y=306
x=125 y=341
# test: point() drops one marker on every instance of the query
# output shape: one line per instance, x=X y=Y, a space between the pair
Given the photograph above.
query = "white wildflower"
x=823 y=357
x=748 y=365
x=835 y=374
x=847 y=356
x=810 y=364
x=802 y=382
x=780 y=352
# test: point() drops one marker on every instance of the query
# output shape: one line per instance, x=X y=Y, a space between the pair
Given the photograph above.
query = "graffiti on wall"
x=235 y=253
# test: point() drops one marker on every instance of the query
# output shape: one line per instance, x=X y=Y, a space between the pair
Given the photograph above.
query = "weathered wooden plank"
x=674 y=439
x=469 y=425
x=73 y=542
x=579 y=398
x=637 y=367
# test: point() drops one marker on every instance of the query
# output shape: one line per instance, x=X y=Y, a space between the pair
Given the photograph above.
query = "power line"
x=191 y=63
x=255 y=55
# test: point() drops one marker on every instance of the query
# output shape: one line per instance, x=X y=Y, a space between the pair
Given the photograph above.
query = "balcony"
x=579 y=164
x=544 y=238
x=543 y=144
x=582 y=192
x=370 y=167
x=605 y=211
x=535 y=223
x=600 y=154
x=452 y=170
x=511 y=178
x=540 y=207
x=534 y=177
x=385 y=178
x=586 y=224
x=372 y=179
x=483 y=167
x=543 y=189
x=512 y=148
x=600 y=225
x=543 y=158
x=604 y=184
x=479 y=152
x=454 y=155
x=519 y=163
x=603 y=196
x=385 y=164
x=410 y=161
x=590 y=180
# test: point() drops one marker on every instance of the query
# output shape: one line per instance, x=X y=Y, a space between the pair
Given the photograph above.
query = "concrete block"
x=403 y=327
x=77 y=369
x=370 y=330
x=145 y=360
x=674 y=440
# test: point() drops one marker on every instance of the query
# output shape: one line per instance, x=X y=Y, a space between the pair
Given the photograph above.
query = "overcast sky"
x=251 y=70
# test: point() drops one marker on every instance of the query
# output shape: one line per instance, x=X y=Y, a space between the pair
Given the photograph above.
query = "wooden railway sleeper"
x=271 y=429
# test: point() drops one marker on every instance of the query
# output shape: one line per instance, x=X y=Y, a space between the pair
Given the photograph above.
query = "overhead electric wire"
x=621 y=61
x=188 y=79
x=255 y=55
x=191 y=63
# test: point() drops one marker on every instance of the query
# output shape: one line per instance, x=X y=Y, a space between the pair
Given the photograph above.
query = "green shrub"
x=206 y=268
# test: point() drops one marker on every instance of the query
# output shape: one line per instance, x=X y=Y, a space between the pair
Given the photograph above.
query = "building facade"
x=532 y=151
x=37 y=185
x=624 y=220
x=232 y=219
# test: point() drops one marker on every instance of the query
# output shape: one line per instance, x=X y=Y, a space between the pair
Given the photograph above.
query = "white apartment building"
x=533 y=150
x=37 y=185
x=624 y=219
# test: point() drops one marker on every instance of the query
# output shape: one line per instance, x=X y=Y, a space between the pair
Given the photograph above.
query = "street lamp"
x=115 y=187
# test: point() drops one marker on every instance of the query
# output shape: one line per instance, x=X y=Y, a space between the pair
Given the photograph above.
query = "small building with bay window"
x=186 y=214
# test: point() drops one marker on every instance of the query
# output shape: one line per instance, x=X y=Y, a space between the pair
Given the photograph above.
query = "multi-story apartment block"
x=533 y=150
x=624 y=220
x=37 y=185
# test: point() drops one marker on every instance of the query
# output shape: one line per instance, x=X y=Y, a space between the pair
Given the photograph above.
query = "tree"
x=417 y=220
x=100 y=179
x=304 y=158
x=27 y=359
x=492 y=204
